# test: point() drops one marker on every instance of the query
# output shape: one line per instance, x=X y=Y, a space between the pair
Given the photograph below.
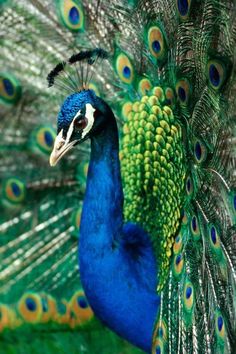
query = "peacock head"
x=81 y=116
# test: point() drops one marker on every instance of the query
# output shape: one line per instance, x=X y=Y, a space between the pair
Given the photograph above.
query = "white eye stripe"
x=89 y=114
x=77 y=114
x=71 y=127
x=70 y=130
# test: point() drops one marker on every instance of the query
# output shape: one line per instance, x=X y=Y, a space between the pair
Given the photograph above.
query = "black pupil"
x=80 y=123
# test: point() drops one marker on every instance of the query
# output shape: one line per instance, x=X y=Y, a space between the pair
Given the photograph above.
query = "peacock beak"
x=61 y=146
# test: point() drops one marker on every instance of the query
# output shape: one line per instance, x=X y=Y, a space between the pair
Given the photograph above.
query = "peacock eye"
x=80 y=124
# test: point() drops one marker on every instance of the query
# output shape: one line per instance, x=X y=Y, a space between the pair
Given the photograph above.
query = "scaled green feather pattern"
x=170 y=81
x=153 y=167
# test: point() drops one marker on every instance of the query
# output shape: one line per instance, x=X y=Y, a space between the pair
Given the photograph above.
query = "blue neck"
x=104 y=194
x=117 y=266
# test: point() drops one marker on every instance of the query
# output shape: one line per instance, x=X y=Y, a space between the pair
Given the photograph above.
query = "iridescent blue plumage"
x=72 y=105
x=106 y=244
x=160 y=268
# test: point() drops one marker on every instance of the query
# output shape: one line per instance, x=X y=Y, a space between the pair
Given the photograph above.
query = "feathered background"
x=187 y=48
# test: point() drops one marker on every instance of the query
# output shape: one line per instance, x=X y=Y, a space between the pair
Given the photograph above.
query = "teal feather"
x=173 y=97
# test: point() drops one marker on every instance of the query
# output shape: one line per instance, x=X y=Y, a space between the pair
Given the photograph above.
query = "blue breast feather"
x=117 y=264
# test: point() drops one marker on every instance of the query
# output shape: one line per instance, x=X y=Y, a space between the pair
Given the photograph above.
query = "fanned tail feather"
x=170 y=79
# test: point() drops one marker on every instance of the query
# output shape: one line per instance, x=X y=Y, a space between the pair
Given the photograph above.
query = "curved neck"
x=117 y=280
x=102 y=215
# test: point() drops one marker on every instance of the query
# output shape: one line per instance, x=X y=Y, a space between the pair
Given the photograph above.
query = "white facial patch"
x=71 y=127
x=89 y=111
x=59 y=141
x=89 y=114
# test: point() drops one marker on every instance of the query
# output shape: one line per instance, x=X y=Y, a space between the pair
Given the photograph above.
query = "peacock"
x=118 y=192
